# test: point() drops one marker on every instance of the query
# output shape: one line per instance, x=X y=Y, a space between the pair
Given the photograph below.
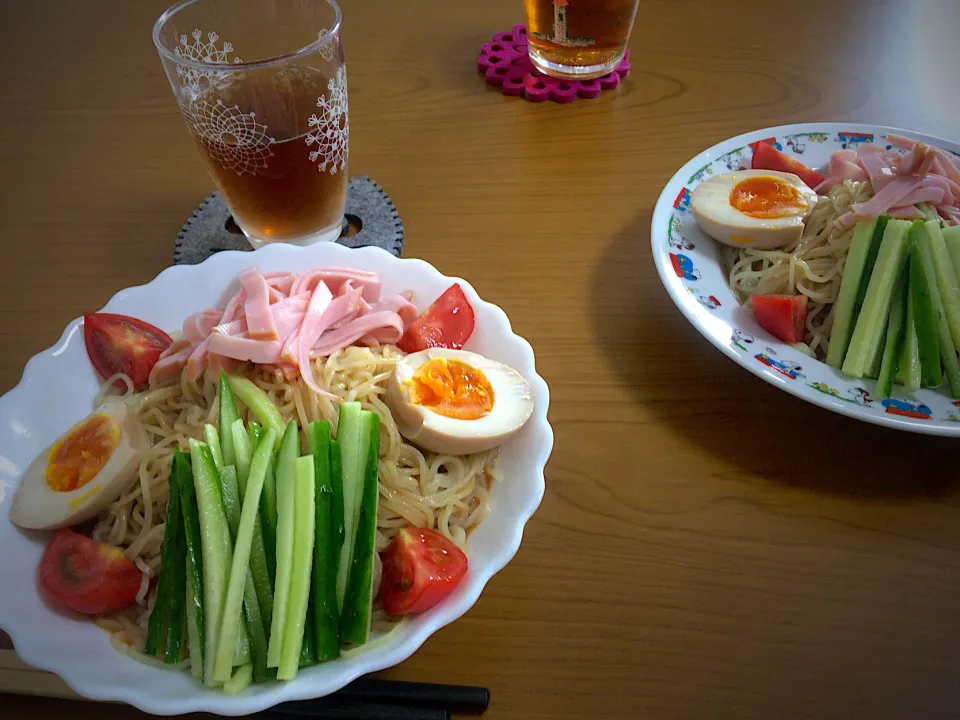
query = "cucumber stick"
x=268 y=503
x=326 y=618
x=231 y=506
x=843 y=320
x=922 y=286
x=228 y=415
x=948 y=353
x=951 y=238
x=240 y=680
x=336 y=482
x=286 y=483
x=261 y=465
x=239 y=576
x=193 y=536
x=872 y=321
x=212 y=438
x=257 y=401
x=947 y=283
x=908 y=374
x=216 y=547
x=352 y=453
x=165 y=627
x=893 y=345
x=194 y=641
x=304 y=529
x=355 y=618
x=243 y=452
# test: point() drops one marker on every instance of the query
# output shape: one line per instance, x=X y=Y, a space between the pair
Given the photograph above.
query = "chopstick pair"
x=367 y=699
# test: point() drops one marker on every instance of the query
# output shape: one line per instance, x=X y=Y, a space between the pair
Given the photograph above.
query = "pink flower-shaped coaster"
x=505 y=64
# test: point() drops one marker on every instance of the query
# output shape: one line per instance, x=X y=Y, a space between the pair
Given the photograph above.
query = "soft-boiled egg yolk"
x=83 y=471
x=451 y=388
x=456 y=402
x=767 y=197
x=759 y=209
x=80 y=455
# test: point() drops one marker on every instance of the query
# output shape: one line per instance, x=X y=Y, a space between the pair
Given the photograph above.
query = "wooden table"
x=708 y=547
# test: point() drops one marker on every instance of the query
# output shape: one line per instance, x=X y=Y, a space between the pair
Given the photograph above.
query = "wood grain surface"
x=708 y=547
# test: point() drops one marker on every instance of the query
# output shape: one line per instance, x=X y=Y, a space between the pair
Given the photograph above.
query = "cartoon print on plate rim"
x=690 y=268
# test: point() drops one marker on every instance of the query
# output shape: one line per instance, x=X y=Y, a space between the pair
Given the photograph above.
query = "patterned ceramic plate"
x=690 y=268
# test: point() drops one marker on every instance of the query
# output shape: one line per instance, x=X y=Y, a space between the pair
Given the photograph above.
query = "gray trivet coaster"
x=370 y=216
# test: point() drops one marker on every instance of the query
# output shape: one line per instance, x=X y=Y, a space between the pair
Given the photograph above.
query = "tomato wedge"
x=767 y=157
x=420 y=568
x=122 y=344
x=448 y=323
x=783 y=316
x=87 y=576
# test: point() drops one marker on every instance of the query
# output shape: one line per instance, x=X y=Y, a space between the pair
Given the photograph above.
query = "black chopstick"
x=368 y=699
x=334 y=708
x=455 y=698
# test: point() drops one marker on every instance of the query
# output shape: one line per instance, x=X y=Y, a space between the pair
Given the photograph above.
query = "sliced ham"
x=265 y=352
x=256 y=306
x=334 y=278
x=843 y=166
x=171 y=362
x=287 y=319
x=199 y=325
x=906 y=212
x=890 y=196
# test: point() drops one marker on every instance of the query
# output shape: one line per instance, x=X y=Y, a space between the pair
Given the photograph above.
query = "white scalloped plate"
x=58 y=388
x=690 y=267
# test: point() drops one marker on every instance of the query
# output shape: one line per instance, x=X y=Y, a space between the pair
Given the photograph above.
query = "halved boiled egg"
x=762 y=209
x=457 y=402
x=84 y=471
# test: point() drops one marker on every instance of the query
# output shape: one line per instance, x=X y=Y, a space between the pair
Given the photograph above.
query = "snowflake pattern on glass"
x=235 y=139
x=331 y=129
x=200 y=51
x=326 y=52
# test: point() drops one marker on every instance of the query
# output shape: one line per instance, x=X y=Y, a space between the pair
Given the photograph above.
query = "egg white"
x=512 y=406
x=36 y=506
x=711 y=208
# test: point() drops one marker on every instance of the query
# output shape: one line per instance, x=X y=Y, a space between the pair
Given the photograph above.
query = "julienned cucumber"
x=908 y=374
x=947 y=283
x=893 y=345
x=191 y=526
x=951 y=237
x=843 y=319
x=228 y=415
x=352 y=452
x=948 y=353
x=872 y=320
x=336 y=482
x=241 y=582
x=355 y=618
x=212 y=438
x=286 y=483
x=231 y=507
x=258 y=402
x=323 y=601
x=217 y=550
x=926 y=321
x=304 y=528
x=870 y=262
x=243 y=451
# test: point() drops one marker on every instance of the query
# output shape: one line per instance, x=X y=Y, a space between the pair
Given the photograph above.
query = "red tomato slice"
x=122 y=344
x=87 y=576
x=767 y=157
x=783 y=316
x=448 y=323
x=420 y=568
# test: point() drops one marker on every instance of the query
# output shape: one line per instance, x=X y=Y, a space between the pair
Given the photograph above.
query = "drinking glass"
x=262 y=87
x=578 y=39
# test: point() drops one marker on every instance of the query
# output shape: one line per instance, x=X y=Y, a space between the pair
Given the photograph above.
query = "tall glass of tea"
x=262 y=87
x=578 y=39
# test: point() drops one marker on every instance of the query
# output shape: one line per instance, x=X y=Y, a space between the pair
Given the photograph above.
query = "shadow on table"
x=688 y=385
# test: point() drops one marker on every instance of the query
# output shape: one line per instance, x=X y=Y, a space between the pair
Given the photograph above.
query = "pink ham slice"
x=198 y=360
x=890 y=196
x=334 y=278
x=386 y=324
x=265 y=352
x=171 y=362
x=256 y=306
x=199 y=325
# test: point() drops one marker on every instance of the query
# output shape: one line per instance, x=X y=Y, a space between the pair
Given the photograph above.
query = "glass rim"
x=225 y=67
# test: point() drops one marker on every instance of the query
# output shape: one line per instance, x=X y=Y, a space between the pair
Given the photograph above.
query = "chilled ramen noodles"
x=448 y=493
x=812 y=266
